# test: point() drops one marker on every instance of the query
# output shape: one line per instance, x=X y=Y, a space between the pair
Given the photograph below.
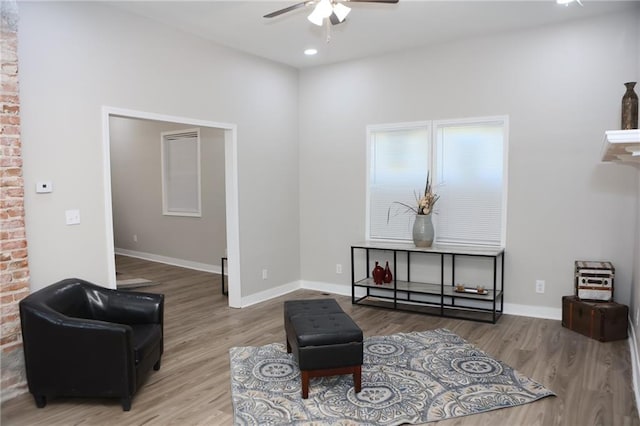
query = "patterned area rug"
x=407 y=378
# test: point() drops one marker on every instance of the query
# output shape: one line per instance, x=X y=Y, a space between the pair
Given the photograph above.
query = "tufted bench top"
x=311 y=307
x=329 y=329
x=319 y=322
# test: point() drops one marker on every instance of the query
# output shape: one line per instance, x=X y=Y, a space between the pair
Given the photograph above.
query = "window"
x=399 y=160
x=466 y=160
x=181 y=173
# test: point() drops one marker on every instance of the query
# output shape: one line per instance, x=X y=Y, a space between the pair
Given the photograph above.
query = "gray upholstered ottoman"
x=324 y=340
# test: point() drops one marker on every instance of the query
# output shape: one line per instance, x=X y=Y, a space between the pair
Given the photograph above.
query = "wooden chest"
x=604 y=321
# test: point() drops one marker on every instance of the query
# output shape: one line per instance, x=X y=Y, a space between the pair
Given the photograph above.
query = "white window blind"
x=181 y=173
x=469 y=173
x=398 y=170
x=470 y=182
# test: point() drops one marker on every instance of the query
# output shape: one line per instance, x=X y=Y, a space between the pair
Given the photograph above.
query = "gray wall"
x=635 y=302
x=136 y=187
x=561 y=87
x=75 y=58
x=634 y=309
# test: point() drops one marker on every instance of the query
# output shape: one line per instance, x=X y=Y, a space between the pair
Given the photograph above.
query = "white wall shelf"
x=622 y=146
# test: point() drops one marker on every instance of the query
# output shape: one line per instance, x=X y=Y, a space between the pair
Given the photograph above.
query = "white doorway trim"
x=231 y=191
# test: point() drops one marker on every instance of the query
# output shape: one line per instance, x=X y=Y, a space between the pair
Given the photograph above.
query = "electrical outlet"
x=265 y=274
x=135 y=238
x=338 y=268
x=539 y=286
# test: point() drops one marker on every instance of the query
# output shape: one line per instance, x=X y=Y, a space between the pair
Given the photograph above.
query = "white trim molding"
x=189 y=264
x=532 y=311
x=231 y=191
x=339 y=289
x=271 y=293
x=635 y=363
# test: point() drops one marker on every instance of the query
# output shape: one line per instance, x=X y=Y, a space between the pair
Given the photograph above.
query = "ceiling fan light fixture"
x=324 y=8
x=315 y=18
x=341 y=11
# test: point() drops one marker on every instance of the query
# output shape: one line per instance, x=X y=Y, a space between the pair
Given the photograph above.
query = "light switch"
x=44 y=186
x=73 y=217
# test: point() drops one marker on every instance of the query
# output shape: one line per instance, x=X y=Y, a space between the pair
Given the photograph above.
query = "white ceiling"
x=370 y=29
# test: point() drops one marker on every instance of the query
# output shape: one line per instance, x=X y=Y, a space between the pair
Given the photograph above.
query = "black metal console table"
x=445 y=298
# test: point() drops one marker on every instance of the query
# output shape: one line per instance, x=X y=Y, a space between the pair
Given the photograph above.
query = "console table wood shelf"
x=440 y=298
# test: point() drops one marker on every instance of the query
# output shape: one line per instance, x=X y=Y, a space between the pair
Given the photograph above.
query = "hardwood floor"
x=592 y=380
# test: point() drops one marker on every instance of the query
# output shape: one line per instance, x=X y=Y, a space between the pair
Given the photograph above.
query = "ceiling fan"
x=335 y=10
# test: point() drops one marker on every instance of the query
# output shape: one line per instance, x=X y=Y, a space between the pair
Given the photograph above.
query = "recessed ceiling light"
x=310 y=52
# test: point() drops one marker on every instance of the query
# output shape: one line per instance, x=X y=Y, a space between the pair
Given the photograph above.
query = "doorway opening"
x=225 y=132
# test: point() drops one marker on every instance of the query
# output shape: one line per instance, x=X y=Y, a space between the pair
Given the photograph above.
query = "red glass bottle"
x=388 y=277
x=378 y=274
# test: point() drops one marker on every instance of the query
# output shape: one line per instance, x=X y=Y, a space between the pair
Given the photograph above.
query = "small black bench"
x=324 y=340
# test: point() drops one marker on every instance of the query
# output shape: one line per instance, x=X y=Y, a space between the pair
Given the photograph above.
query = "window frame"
x=164 y=159
x=434 y=126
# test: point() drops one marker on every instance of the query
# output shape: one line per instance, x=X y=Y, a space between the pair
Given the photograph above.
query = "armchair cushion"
x=80 y=339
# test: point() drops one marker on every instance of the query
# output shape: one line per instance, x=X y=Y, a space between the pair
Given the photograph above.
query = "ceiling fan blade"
x=287 y=9
x=334 y=19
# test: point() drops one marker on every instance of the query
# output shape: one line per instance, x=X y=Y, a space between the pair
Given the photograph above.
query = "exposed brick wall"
x=14 y=266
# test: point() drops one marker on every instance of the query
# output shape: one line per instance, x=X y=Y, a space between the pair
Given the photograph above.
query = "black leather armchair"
x=83 y=340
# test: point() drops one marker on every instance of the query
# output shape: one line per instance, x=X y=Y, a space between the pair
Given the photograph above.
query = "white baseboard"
x=198 y=266
x=635 y=363
x=271 y=293
x=532 y=311
x=343 y=290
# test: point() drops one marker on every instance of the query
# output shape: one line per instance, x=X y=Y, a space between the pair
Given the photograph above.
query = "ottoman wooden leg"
x=357 y=378
x=305 y=384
